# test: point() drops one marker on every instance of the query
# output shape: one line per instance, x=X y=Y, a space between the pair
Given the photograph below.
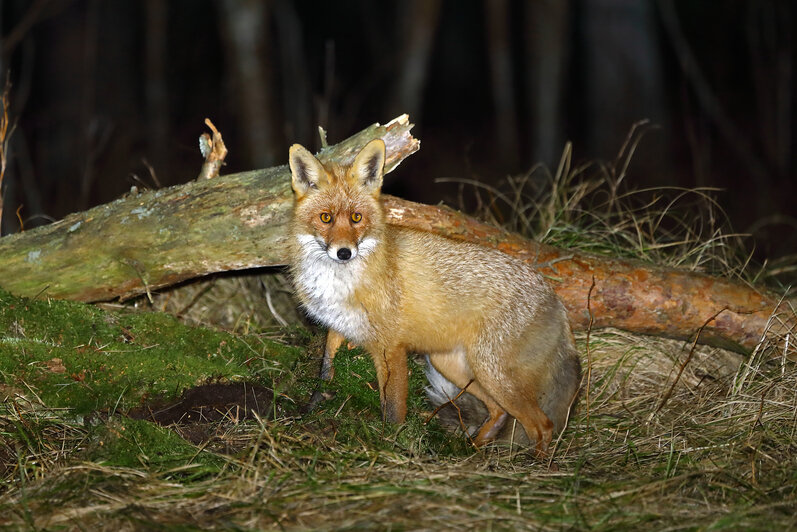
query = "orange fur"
x=483 y=317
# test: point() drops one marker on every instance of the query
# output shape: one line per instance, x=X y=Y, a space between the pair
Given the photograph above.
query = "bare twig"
x=760 y=414
x=589 y=352
x=686 y=361
x=152 y=173
x=19 y=217
x=213 y=150
x=453 y=403
x=450 y=401
x=322 y=133
x=282 y=321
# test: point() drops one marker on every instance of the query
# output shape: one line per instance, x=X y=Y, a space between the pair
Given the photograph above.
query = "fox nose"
x=344 y=253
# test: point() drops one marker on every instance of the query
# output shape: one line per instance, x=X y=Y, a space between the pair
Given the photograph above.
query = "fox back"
x=488 y=322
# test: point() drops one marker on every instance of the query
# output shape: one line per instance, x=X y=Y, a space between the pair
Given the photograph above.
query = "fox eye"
x=326 y=217
x=356 y=217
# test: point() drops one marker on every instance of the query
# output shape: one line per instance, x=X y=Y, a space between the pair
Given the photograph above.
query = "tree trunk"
x=155 y=239
x=247 y=43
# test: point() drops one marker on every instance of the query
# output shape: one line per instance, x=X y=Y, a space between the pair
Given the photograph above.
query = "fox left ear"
x=306 y=171
x=369 y=166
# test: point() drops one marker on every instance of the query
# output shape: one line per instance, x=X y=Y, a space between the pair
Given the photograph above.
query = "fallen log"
x=630 y=295
x=155 y=239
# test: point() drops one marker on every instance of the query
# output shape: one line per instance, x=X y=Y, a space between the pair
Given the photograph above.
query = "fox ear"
x=369 y=166
x=306 y=170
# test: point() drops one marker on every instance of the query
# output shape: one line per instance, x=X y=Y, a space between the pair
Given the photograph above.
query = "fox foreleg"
x=333 y=343
x=392 y=376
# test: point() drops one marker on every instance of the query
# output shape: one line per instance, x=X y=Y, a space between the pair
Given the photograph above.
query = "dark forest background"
x=107 y=94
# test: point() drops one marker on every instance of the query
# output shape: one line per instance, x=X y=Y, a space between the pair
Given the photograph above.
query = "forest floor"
x=190 y=411
x=132 y=420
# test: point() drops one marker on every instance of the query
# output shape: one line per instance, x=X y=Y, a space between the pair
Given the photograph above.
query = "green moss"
x=79 y=357
x=82 y=367
x=54 y=322
x=124 y=442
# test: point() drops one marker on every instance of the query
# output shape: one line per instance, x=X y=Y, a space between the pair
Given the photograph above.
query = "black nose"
x=344 y=253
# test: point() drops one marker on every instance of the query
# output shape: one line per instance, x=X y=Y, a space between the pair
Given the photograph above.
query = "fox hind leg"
x=516 y=391
x=454 y=367
x=537 y=425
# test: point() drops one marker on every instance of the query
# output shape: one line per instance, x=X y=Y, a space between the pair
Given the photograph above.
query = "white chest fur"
x=327 y=288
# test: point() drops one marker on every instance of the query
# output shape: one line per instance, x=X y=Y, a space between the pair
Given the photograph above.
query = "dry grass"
x=716 y=456
x=591 y=207
x=257 y=301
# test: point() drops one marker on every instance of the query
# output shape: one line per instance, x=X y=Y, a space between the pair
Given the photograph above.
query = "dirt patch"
x=199 y=413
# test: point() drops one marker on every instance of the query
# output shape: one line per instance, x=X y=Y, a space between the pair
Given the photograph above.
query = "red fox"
x=486 y=320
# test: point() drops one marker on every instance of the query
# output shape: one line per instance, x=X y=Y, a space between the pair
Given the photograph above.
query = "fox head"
x=337 y=211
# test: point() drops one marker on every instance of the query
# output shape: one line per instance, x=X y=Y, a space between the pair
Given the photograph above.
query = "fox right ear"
x=369 y=166
x=306 y=170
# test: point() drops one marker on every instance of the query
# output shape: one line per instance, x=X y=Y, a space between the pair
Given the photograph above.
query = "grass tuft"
x=592 y=207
